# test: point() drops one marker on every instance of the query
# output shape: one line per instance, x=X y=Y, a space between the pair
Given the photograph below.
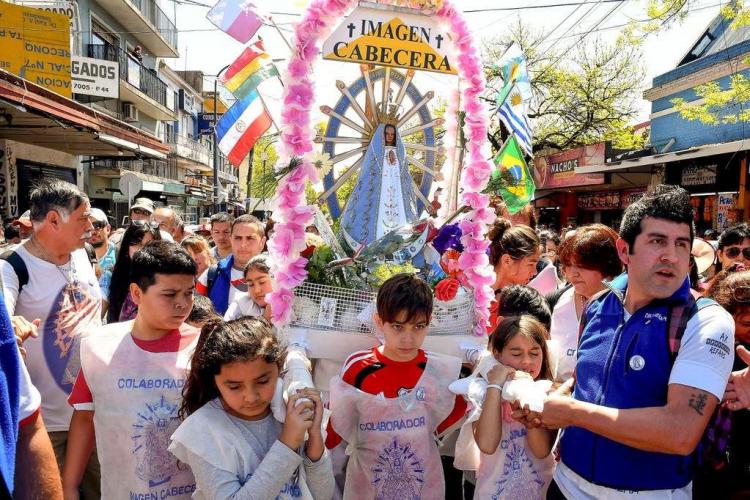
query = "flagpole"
x=281 y=34
x=269 y=113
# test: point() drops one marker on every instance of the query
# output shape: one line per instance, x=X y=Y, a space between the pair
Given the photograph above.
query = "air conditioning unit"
x=129 y=112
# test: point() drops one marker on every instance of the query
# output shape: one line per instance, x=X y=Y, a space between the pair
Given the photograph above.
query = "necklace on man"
x=70 y=281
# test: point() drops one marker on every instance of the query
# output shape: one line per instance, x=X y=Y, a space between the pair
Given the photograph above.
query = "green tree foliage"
x=583 y=95
x=713 y=104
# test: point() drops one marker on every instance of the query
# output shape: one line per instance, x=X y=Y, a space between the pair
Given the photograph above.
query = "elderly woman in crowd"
x=588 y=257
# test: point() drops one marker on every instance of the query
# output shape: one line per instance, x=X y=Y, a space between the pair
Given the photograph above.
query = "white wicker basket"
x=325 y=307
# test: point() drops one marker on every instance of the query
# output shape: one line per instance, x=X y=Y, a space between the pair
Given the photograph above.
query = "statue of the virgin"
x=383 y=198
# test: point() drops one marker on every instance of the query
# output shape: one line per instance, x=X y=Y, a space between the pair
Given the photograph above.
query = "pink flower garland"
x=291 y=213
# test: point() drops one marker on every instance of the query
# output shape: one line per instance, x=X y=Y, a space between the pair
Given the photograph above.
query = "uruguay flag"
x=241 y=126
x=237 y=18
x=512 y=112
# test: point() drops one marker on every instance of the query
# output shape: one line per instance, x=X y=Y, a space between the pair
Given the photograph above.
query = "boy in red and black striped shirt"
x=415 y=403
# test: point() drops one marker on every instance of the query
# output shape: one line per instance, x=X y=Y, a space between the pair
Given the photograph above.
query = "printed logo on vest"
x=408 y=398
x=151 y=432
x=519 y=479
x=398 y=472
x=637 y=362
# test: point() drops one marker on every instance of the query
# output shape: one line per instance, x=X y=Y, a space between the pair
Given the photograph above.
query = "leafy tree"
x=582 y=97
x=714 y=104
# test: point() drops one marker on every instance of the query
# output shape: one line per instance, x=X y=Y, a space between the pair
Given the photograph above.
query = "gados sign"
x=95 y=77
x=391 y=37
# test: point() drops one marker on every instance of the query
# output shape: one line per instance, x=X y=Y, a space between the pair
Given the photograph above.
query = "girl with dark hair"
x=514 y=252
x=734 y=246
x=231 y=438
x=121 y=306
x=519 y=344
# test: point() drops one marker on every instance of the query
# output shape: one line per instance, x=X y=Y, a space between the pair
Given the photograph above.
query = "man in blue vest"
x=225 y=281
x=641 y=404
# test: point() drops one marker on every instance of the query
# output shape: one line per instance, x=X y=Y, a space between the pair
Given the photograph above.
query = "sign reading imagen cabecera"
x=95 y=77
x=391 y=38
x=35 y=45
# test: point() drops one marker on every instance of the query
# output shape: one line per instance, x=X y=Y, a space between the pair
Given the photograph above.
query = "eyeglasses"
x=734 y=252
x=150 y=223
x=741 y=294
x=99 y=224
x=140 y=211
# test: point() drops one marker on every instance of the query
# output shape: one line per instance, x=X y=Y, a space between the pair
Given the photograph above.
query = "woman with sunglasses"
x=121 y=306
x=732 y=479
x=734 y=246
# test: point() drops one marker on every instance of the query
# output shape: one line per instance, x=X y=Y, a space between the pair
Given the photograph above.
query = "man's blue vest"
x=218 y=291
x=624 y=365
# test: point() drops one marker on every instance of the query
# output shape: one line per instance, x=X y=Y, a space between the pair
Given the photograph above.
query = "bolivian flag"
x=518 y=190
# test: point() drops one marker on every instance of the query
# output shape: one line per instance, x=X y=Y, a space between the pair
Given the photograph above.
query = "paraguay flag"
x=241 y=126
x=248 y=70
x=237 y=18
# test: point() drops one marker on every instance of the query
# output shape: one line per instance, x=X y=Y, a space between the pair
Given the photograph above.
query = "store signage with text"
x=558 y=170
x=699 y=176
x=724 y=206
x=35 y=45
x=389 y=38
x=68 y=8
x=95 y=77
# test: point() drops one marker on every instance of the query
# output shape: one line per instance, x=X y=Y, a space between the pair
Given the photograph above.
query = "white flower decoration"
x=322 y=163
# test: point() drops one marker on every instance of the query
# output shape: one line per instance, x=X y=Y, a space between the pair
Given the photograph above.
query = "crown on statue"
x=391 y=116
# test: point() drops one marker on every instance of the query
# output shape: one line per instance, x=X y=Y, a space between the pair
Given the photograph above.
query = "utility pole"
x=216 y=140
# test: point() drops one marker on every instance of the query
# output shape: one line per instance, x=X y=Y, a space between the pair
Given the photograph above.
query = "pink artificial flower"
x=302 y=215
x=285 y=245
x=475 y=245
x=294 y=274
x=471 y=260
x=471 y=229
x=483 y=215
x=476 y=200
x=281 y=302
x=300 y=95
x=297 y=68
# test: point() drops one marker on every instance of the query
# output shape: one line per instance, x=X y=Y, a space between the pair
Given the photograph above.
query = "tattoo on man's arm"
x=698 y=402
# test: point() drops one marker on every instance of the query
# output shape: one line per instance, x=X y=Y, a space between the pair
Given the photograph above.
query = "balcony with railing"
x=157 y=168
x=189 y=152
x=143 y=82
x=148 y=23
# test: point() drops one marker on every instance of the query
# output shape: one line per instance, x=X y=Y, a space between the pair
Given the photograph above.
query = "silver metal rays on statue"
x=380 y=130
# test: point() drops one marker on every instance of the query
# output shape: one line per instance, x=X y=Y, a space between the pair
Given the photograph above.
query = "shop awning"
x=644 y=163
x=43 y=118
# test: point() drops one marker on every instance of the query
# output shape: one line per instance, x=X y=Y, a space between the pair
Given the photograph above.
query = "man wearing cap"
x=24 y=225
x=106 y=252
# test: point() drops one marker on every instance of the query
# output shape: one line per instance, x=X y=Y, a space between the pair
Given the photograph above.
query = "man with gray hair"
x=50 y=282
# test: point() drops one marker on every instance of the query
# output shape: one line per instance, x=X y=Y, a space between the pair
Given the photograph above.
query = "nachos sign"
x=387 y=37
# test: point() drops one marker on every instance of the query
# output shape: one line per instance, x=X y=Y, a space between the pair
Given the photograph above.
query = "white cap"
x=98 y=215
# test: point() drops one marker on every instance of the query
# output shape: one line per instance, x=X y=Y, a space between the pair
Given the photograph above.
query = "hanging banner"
x=388 y=36
x=558 y=170
x=35 y=45
x=698 y=176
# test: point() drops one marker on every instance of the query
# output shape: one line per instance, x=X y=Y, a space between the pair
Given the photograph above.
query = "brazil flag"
x=517 y=186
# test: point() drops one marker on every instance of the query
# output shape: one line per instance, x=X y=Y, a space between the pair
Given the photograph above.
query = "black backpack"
x=22 y=272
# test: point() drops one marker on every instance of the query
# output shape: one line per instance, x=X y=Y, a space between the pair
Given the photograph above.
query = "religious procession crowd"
x=142 y=362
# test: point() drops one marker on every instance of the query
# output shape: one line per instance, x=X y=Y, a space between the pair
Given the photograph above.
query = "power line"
x=527 y=7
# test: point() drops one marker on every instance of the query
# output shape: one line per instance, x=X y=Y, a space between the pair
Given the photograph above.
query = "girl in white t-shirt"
x=233 y=438
x=516 y=462
x=259 y=282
